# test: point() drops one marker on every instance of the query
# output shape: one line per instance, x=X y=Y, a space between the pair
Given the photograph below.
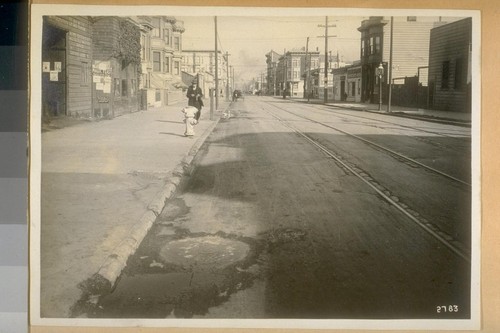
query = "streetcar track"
x=448 y=241
x=392 y=123
x=428 y=141
x=390 y=151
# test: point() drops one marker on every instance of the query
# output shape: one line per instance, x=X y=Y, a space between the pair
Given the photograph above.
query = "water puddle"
x=170 y=277
x=210 y=252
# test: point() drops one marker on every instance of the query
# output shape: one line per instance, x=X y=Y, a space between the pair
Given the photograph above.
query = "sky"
x=248 y=39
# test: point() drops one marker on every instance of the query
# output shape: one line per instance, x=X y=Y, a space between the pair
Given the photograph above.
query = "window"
x=362 y=47
x=117 y=89
x=84 y=74
x=166 y=34
x=177 y=43
x=156 y=29
x=144 y=80
x=295 y=63
x=371 y=46
x=124 y=88
x=167 y=64
x=445 y=75
x=133 y=87
x=458 y=74
x=176 y=68
x=156 y=62
x=377 y=44
x=143 y=47
x=411 y=18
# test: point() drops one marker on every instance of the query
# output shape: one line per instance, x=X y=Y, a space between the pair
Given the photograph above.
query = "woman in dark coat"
x=194 y=95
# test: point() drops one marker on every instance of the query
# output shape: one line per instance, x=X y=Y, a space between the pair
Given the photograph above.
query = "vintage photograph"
x=266 y=167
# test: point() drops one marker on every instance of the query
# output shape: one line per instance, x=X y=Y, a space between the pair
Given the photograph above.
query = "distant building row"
x=430 y=66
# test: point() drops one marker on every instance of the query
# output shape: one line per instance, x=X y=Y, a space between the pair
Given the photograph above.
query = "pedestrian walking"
x=190 y=120
x=195 y=95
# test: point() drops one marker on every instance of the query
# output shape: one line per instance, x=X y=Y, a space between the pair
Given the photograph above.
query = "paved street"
x=288 y=214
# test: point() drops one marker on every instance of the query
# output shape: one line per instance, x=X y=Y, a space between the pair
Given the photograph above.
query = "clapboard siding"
x=106 y=31
x=451 y=44
x=410 y=47
x=78 y=51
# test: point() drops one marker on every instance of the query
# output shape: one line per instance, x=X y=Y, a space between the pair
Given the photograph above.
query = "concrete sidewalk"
x=103 y=184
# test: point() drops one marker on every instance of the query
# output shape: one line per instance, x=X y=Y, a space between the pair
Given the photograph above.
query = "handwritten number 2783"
x=446 y=308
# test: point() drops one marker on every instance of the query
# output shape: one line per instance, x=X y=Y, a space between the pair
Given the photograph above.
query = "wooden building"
x=449 y=66
x=66 y=66
x=290 y=71
x=411 y=35
x=347 y=83
x=272 y=59
x=200 y=63
x=90 y=66
x=115 y=67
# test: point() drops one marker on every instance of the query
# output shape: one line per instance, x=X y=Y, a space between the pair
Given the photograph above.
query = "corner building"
x=411 y=36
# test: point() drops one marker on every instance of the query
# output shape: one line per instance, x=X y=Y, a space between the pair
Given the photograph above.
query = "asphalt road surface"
x=268 y=225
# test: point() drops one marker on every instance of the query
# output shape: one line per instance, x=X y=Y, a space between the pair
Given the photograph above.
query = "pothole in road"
x=172 y=277
x=209 y=251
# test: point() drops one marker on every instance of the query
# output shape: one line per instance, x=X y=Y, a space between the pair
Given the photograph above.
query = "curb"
x=432 y=119
x=116 y=262
x=403 y=114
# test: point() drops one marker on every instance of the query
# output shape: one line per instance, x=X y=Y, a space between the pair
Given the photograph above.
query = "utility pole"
x=216 y=68
x=227 y=75
x=306 y=84
x=389 y=68
x=261 y=83
x=326 y=58
x=274 y=78
x=285 y=87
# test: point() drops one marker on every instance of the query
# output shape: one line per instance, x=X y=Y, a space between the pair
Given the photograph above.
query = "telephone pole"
x=389 y=68
x=326 y=57
x=227 y=75
x=216 y=68
x=306 y=84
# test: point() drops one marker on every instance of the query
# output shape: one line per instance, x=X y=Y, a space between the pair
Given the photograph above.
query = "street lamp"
x=380 y=73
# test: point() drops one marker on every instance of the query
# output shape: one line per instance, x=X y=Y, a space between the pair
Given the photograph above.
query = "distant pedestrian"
x=190 y=120
x=195 y=95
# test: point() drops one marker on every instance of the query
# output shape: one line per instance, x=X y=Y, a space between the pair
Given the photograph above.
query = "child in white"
x=189 y=114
